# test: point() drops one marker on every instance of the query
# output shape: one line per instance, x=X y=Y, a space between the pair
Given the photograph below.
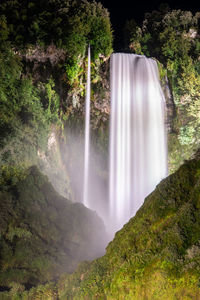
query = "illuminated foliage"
x=172 y=36
x=154 y=256
x=68 y=24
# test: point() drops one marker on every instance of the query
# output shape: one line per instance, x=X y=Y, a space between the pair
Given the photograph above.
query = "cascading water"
x=87 y=135
x=138 y=151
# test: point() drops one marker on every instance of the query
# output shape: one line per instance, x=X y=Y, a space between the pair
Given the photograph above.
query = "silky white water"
x=87 y=135
x=138 y=151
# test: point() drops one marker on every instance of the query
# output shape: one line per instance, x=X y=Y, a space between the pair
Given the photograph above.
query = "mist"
x=72 y=153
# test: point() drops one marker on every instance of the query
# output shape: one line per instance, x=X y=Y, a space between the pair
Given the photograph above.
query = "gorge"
x=53 y=245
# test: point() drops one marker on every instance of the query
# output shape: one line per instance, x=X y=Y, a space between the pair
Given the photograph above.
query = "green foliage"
x=11 y=175
x=186 y=135
x=21 y=111
x=60 y=32
x=154 y=256
x=53 y=101
x=17 y=232
x=90 y=25
x=172 y=37
x=132 y=35
x=71 y=25
x=42 y=234
x=72 y=71
x=4 y=31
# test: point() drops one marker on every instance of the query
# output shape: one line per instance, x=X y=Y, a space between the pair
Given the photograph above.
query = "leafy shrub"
x=71 y=25
x=42 y=234
x=172 y=36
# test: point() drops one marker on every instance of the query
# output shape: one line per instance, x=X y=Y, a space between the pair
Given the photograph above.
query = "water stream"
x=138 y=150
x=87 y=136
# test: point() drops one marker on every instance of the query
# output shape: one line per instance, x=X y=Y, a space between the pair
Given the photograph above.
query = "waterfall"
x=87 y=135
x=138 y=151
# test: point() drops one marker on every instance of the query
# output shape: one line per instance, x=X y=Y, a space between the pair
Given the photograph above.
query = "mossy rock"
x=156 y=255
x=42 y=234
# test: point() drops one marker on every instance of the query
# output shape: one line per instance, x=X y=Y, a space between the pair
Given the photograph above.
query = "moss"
x=42 y=234
x=155 y=255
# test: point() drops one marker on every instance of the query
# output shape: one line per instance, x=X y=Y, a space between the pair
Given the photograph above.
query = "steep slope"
x=42 y=234
x=156 y=254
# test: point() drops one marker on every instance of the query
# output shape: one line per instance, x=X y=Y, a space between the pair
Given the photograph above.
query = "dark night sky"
x=122 y=10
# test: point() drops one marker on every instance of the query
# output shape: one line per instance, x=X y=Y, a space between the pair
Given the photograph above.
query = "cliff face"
x=43 y=64
x=42 y=234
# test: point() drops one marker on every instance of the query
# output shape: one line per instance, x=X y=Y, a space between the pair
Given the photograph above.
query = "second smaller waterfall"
x=87 y=135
